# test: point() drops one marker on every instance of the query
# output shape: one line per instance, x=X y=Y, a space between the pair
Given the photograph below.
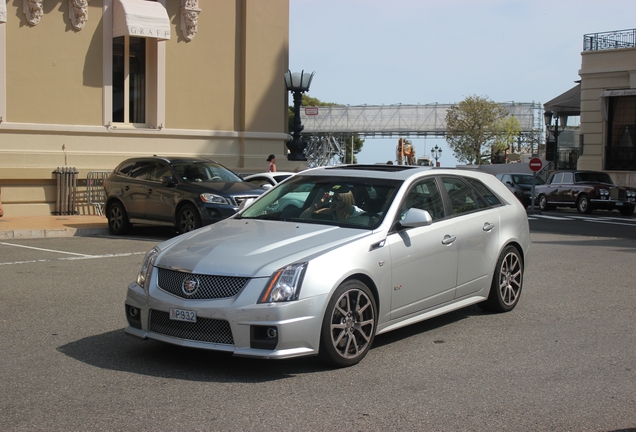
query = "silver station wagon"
x=360 y=250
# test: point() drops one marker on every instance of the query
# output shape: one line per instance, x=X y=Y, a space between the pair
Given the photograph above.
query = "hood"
x=251 y=248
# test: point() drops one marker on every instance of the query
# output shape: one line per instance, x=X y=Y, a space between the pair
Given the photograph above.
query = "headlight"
x=603 y=192
x=284 y=285
x=631 y=193
x=214 y=199
x=146 y=266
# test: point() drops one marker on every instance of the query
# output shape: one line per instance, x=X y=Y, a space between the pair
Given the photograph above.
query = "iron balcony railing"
x=609 y=40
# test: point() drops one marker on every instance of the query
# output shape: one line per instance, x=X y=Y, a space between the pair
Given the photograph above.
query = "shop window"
x=621 y=134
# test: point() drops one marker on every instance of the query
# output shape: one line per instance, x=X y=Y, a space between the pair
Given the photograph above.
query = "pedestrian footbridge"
x=328 y=128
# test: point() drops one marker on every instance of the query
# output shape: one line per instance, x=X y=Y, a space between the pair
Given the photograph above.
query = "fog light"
x=272 y=332
x=133 y=315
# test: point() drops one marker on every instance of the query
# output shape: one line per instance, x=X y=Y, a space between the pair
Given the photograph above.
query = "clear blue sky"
x=387 y=52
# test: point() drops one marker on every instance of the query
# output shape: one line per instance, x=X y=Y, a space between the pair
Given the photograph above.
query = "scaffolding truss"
x=400 y=120
x=328 y=128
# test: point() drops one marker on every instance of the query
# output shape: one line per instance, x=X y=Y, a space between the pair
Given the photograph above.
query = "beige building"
x=86 y=84
x=607 y=139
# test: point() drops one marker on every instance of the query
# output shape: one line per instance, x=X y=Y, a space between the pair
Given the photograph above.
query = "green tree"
x=478 y=128
x=345 y=142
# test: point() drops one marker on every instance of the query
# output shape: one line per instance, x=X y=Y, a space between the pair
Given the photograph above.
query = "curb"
x=52 y=233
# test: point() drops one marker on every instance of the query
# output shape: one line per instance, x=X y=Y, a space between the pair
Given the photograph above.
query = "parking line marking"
x=75 y=258
x=44 y=250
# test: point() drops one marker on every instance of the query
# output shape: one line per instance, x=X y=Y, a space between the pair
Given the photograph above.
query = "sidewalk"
x=51 y=226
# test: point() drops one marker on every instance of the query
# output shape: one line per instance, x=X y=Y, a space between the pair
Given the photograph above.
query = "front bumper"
x=611 y=204
x=237 y=325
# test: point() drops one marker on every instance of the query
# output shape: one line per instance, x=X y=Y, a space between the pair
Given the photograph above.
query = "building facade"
x=607 y=139
x=89 y=84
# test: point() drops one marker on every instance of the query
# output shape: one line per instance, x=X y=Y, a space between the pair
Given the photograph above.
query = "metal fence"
x=95 y=194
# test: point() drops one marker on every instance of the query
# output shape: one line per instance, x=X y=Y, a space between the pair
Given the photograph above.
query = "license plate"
x=183 y=315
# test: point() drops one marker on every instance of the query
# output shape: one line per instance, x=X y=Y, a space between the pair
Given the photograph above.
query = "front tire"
x=349 y=325
x=627 y=211
x=507 y=282
x=118 y=222
x=583 y=204
x=188 y=219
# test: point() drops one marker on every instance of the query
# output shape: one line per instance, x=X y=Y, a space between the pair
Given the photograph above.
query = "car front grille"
x=207 y=286
x=204 y=330
x=239 y=199
x=618 y=193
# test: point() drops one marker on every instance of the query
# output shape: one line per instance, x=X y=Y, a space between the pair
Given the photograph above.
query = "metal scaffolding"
x=328 y=127
x=400 y=120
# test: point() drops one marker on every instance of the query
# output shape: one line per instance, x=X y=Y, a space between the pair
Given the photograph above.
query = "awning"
x=568 y=103
x=3 y=11
x=140 y=18
x=612 y=93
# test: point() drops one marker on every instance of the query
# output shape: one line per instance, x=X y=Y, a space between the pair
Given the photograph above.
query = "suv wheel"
x=188 y=219
x=117 y=217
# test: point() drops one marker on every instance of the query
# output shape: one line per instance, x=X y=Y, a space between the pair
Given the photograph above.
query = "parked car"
x=587 y=191
x=186 y=193
x=267 y=180
x=371 y=249
x=520 y=184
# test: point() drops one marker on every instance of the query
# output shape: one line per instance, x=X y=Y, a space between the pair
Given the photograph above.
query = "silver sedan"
x=359 y=251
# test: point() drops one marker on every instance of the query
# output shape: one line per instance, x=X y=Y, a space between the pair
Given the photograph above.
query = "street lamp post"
x=297 y=83
x=551 y=146
x=436 y=152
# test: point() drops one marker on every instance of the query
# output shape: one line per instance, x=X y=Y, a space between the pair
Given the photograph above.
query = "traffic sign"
x=535 y=164
x=311 y=111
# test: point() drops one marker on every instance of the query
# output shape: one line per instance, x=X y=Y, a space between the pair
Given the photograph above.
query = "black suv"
x=186 y=193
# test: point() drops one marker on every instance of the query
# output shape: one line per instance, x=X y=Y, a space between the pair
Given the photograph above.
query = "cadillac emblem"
x=190 y=285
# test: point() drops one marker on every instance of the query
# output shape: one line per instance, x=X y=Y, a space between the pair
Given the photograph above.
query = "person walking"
x=271 y=163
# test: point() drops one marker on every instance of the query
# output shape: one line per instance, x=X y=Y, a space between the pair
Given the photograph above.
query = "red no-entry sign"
x=535 y=164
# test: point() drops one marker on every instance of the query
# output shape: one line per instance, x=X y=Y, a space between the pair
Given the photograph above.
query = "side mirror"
x=414 y=218
x=267 y=186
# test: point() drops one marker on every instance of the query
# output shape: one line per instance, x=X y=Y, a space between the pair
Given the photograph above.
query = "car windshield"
x=203 y=171
x=341 y=201
x=592 y=177
x=526 y=179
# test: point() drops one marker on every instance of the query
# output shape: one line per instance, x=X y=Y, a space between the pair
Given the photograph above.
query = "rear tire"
x=118 y=223
x=543 y=203
x=349 y=324
x=507 y=282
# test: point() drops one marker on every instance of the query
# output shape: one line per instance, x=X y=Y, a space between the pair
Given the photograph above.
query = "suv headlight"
x=213 y=199
x=146 y=267
x=284 y=285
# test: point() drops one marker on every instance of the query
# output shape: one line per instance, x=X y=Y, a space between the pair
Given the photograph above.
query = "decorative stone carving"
x=33 y=11
x=78 y=13
x=189 y=18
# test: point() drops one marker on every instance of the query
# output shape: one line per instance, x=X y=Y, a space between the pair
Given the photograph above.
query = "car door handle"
x=149 y=191
x=448 y=239
x=488 y=226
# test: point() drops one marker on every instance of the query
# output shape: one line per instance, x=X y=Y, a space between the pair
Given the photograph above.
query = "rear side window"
x=125 y=168
x=463 y=198
x=483 y=190
x=140 y=170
